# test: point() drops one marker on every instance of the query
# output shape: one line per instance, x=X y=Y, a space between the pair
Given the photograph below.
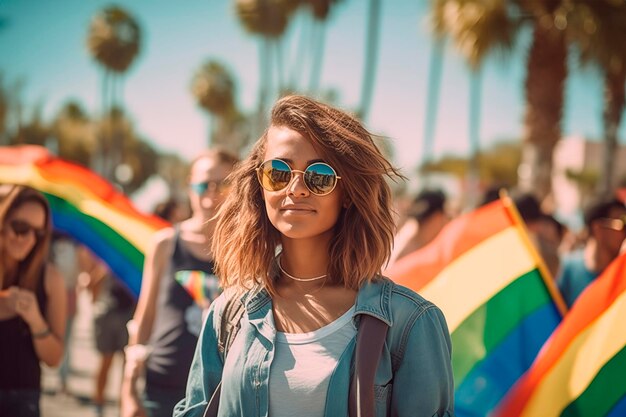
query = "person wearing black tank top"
x=32 y=300
x=169 y=310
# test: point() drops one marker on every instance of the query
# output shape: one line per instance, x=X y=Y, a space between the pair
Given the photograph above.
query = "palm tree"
x=267 y=19
x=113 y=40
x=74 y=133
x=601 y=42
x=319 y=11
x=371 y=58
x=544 y=86
x=435 y=69
x=214 y=90
x=4 y=108
x=477 y=29
x=546 y=69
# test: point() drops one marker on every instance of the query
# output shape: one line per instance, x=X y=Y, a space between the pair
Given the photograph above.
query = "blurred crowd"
x=41 y=272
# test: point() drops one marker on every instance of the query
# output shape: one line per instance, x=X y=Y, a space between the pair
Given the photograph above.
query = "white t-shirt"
x=302 y=366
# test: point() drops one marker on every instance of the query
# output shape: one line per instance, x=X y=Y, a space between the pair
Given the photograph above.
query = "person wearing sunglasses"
x=32 y=300
x=301 y=239
x=605 y=223
x=167 y=319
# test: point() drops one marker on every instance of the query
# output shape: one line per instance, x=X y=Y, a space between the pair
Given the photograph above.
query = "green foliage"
x=496 y=164
x=114 y=38
x=586 y=179
x=213 y=87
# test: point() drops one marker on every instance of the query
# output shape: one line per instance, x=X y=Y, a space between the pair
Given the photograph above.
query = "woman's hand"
x=9 y=297
x=27 y=308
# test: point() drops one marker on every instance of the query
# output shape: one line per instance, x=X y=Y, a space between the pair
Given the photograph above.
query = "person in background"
x=171 y=210
x=301 y=240
x=426 y=217
x=64 y=257
x=113 y=306
x=168 y=319
x=32 y=300
x=545 y=231
x=605 y=221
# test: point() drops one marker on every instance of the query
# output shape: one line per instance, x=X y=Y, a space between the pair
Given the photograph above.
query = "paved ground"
x=83 y=364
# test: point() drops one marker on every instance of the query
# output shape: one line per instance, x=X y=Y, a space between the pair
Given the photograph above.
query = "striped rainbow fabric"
x=484 y=274
x=201 y=286
x=86 y=207
x=581 y=370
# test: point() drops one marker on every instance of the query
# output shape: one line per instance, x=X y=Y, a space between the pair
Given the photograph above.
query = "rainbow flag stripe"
x=201 y=286
x=580 y=371
x=87 y=207
x=484 y=274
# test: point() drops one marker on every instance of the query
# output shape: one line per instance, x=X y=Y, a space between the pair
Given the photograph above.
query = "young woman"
x=32 y=300
x=167 y=318
x=305 y=231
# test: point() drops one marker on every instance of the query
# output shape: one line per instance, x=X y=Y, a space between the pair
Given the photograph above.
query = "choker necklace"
x=296 y=278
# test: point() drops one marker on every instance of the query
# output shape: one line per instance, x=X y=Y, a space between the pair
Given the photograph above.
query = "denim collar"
x=374 y=298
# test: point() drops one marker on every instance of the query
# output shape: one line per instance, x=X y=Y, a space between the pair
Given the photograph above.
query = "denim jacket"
x=414 y=376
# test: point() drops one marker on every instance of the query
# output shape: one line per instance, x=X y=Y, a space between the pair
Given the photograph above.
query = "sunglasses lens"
x=21 y=228
x=320 y=178
x=200 y=187
x=274 y=175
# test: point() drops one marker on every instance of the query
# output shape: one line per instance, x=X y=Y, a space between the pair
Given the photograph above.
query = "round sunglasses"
x=319 y=177
x=23 y=228
x=201 y=187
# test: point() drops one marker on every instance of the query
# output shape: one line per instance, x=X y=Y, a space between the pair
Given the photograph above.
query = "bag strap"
x=369 y=345
x=229 y=327
x=231 y=322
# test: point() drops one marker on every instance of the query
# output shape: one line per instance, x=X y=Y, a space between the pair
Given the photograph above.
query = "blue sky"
x=44 y=43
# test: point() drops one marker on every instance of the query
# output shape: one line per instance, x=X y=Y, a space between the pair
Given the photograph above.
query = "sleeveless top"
x=19 y=364
x=177 y=323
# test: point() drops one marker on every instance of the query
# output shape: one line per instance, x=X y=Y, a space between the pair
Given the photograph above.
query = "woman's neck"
x=304 y=259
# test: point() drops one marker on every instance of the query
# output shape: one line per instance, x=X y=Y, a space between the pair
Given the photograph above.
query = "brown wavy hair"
x=245 y=242
x=30 y=269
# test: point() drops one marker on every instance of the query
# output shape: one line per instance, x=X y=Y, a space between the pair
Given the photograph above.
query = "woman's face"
x=295 y=211
x=207 y=187
x=21 y=229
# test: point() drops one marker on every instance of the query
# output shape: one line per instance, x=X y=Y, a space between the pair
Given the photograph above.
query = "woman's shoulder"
x=408 y=306
x=404 y=298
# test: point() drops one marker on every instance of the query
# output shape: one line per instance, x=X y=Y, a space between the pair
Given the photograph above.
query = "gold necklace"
x=296 y=278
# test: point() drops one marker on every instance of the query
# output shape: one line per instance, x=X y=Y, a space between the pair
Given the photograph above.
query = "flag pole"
x=548 y=280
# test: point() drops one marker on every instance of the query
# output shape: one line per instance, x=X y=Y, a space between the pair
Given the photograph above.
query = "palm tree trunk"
x=99 y=157
x=318 y=44
x=301 y=55
x=371 y=59
x=475 y=101
x=278 y=50
x=545 y=80
x=264 y=85
x=432 y=97
x=614 y=94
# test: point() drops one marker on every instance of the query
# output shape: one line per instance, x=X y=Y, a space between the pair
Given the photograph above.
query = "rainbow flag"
x=87 y=207
x=490 y=283
x=581 y=370
x=201 y=286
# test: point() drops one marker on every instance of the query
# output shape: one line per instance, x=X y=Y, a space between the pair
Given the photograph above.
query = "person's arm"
x=47 y=329
x=423 y=384
x=206 y=368
x=157 y=259
x=155 y=262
